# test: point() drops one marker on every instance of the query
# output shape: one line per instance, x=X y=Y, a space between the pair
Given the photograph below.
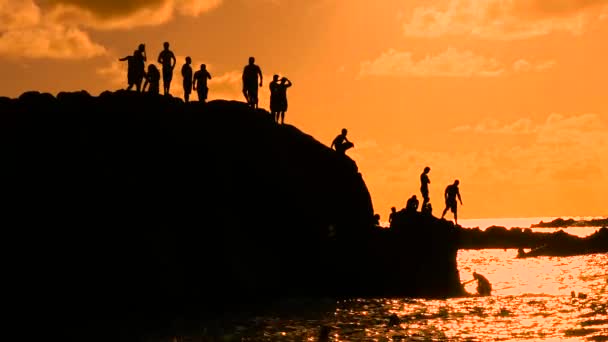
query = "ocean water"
x=531 y=301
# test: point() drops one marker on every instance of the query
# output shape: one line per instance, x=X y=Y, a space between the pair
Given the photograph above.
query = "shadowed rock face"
x=129 y=205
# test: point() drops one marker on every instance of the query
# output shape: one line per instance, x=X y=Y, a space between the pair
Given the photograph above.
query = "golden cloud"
x=503 y=19
x=450 y=63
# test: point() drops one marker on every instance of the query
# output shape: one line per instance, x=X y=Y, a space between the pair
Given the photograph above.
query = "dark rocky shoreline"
x=134 y=210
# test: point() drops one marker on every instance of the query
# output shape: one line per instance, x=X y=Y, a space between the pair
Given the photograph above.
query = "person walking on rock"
x=167 y=59
x=424 y=186
x=451 y=193
x=136 y=65
x=251 y=72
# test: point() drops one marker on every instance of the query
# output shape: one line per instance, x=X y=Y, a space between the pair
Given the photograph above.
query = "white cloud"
x=502 y=19
x=450 y=63
x=523 y=65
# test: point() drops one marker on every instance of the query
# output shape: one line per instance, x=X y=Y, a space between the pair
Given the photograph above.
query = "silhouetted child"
x=200 y=83
x=376 y=220
x=152 y=80
x=282 y=98
x=251 y=72
x=427 y=209
x=187 y=75
x=274 y=98
x=341 y=143
x=136 y=65
x=392 y=216
x=167 y=59
x=424 y=186
x=451 y=193
x=412 y=204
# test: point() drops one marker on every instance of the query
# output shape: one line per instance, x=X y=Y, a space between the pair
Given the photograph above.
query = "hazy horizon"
x=509 y=97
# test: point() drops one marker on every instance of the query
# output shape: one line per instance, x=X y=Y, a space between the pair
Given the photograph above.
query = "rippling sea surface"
x=531 y=300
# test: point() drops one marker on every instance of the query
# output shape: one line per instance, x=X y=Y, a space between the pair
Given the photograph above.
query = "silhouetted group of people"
x=252 y=79
x=451 y=196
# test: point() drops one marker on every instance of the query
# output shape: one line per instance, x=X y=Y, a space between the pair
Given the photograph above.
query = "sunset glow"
x=508 y=96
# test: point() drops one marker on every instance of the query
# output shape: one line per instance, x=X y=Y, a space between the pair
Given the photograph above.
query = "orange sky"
x=509 y=96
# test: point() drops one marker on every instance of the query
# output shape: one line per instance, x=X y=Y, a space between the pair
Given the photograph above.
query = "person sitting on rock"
x=152 y=80
x=412 y=204
x=484 y=288
x=341 y=143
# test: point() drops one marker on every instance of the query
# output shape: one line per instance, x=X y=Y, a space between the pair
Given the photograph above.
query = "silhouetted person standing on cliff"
x=424 y=186
x=152 y=80
x=167 y=59
x=274 y=98
x=451 y=193
x=285 y=83
x=187 y=75
x=341 y=143
x=200 y=83
x=251 y=72
x=136 y=65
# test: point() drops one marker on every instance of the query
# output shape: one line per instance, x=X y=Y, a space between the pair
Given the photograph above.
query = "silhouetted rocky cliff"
x=129 y=203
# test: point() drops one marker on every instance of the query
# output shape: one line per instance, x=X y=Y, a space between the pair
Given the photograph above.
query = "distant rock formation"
x=133 y=205
x=562 y=244
x=550 y=244
x=561 y=223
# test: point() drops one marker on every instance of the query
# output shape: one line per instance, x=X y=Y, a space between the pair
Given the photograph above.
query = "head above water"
x=251 y=60
x=166 y=45
x=427 y=169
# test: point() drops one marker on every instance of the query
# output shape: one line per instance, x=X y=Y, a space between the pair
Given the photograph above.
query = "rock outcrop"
x=143 y=206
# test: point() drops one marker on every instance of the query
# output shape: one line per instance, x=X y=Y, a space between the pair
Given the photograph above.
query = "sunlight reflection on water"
x=531 y=301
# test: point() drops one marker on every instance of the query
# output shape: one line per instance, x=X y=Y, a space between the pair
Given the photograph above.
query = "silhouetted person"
x=152 y=80
x=376 y=220
x=392 y=216
x=136 y=65
x=200 y=83
x=282 y=94
x=167 y=59
x=341 y=143
x=424 y=186
x=427 y=209
x=484 y=288
x=187 y=75
x=274 y=98
x=451 y=193
x=251 y=72
x=412 y=204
